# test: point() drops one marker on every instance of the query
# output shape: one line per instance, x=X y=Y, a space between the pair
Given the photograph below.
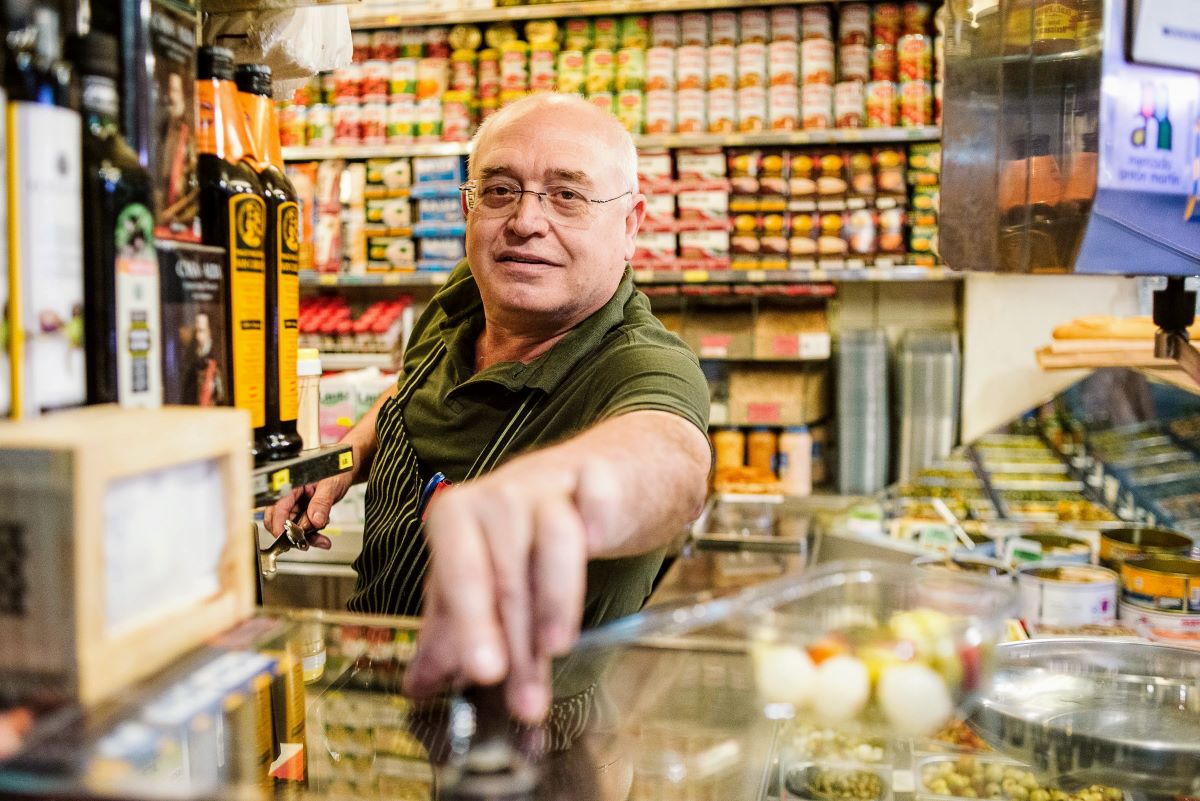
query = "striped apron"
x=391 y=568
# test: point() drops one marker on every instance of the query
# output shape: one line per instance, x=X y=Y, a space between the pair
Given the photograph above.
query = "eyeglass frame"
x=468 y=188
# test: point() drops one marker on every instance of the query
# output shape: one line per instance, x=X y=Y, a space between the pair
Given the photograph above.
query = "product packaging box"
x=768 y=394
x=194 y=369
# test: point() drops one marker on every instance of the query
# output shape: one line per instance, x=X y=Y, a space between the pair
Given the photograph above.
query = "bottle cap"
x=214 y=63
x=253 y=79
x=308 y=362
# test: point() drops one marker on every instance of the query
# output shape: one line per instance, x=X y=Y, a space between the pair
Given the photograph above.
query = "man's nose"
x=529 y=217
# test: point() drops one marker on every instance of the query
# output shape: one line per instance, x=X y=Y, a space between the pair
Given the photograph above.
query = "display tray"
x=1099 y=711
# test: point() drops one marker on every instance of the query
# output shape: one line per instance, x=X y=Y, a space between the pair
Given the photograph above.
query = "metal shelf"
x=414 y=278
x=333 y=360
x=857 y=275
x=233 y=6
x=836 y=136
x=550 y=11
x=275 y=479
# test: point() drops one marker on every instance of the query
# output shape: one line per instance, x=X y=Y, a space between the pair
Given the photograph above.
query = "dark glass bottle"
x=121 y=310
x=233 y=216
x=281 y=440
x=45 y=257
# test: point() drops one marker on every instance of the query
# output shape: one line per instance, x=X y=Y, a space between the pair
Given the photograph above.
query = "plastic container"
x=308 y=374
x=795 y=461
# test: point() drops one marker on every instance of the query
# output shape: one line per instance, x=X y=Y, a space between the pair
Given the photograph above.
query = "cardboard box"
x=192 y=278
x=719 y=333
x=792 y=333
x=773 y=394
x=124 y=545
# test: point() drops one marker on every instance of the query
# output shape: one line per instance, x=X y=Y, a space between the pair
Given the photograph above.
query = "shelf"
x=234 y=6
x=333 y=360
x=550 y=11
x=414 y=278
x=837 y=136
x=763 y=359
x=858 y=275
x=275 y=479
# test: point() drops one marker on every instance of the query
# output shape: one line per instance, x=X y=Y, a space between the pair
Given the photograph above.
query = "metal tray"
x=1090 y=710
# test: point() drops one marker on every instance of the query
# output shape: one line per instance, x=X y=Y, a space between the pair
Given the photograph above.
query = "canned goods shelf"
x=274 y=479
x=833 y=136
x=399 y=278
x=583 y=8
x=231 y=6
x=356 y=361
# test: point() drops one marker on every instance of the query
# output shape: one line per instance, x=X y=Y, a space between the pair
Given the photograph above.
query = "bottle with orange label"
x=282 y=310
x=233 y=216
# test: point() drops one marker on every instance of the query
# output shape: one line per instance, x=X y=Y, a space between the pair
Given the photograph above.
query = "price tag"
x=391 y=279
x=786 y=346
x=695 y=276
x=762 y=413
x=756 y=276
x=715 y=346
x=327 y=279
x=280 y=479
x=345 y=460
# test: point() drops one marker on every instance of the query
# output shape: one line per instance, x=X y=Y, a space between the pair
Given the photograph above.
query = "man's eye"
x=567 y=195
x=498 y=192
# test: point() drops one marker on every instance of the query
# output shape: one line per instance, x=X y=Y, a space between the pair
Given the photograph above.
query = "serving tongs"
x=293 y=536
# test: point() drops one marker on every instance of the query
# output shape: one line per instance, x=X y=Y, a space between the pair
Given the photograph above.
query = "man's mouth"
x=523 y=258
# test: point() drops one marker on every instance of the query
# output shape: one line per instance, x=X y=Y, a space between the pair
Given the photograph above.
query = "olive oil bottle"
x=281 y=334
x=233 y=216
x=121 y=312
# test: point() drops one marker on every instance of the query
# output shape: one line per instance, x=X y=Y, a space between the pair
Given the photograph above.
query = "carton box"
x=719 y=333
x=791 y=333
x=772 y=394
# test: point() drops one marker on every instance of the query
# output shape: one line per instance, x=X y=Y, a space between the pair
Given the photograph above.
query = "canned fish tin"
x=1037 y=547
x=1119 y=544
x=966 y=563
x=1067 y=595
x=1165 y=627
x=1163 y=583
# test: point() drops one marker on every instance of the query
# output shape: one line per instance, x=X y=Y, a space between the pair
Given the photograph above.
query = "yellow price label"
x=327 y=279
x=345 y=460
x=695 y=276
x=756 y=275
x=280 y=479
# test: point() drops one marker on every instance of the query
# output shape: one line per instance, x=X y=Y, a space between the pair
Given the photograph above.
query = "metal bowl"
x=814 y=782
x=1088 y=710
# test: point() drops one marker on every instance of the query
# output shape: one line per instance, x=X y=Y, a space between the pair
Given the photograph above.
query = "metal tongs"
x=293 y=536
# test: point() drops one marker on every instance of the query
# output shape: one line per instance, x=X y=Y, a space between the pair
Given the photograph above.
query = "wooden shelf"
x=836 y=136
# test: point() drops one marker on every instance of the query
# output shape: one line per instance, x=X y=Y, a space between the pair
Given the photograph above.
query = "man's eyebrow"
x=492 y=172
x=572 y=176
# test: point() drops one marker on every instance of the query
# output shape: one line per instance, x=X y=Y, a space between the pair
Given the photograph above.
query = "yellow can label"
x=287 y=245
x=247 y=291
x=1168 y=592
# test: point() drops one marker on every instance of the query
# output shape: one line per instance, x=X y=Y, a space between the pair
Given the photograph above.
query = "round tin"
x=1119 y=544
x=1067 y=594
x=965 y=563
x=1054 y=548
x=1162 y=583
x=1166 y=627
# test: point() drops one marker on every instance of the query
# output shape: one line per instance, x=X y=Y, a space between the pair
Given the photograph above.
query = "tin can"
x=514 y=67
x=751 y=109
x=855 y=27
x=606 y=33
x=605 y=101
x=433 y=78
x=1038 y=547
x=915 y=16
x=1067 y=594
x=660 y=69
x=881 y=104
x=664 y=30
x=722 y=66
x=916 y=104
x=854 y=63
x=816 y=107
x=693 y=27
x=914 y=57
x=412 y=42
x=722 y=111
x=572 y=72
x=883 y=62
x=456 y=117
x=631 y=110
x=385 y=45
x=1163 y=583
x=816 y=23
x=542 y=76
x=631 y=70
x=885 y=23
x=660 y=112
x=753 y=25
x=429 y=120
x=965 y=563
x=375 y=83
x=402 y=78
x=816 y=62
x=723 y=28
x=691 y=111
x=785 y=24
x=347 y=83
x=601 y=71
x=635 y=31
x=402 y=121
x=374 y=123
x=783 y=63
x=849 y=105
x=320 y=125
x=293 y=125
x=578 y=34
x=464 y=72
x=347 y=124
x=1175 y=628
x=783 y=107
x=437 y=41
x=751 y=65
x=361 y=43
x=1119 y=544
x=465 y=37
x=691 y=68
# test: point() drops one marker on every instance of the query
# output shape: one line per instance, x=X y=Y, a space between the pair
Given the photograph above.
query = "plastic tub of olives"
x=944 y=776
x=890 y=650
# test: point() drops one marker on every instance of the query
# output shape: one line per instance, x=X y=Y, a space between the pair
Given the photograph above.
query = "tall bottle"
x=5 y=363
x=233 y=216
x=121 y=318
x=45 y=217
x=281 y=440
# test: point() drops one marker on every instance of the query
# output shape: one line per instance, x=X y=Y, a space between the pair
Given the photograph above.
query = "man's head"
x=176 y=101
x=535 y=271
x=202 y=336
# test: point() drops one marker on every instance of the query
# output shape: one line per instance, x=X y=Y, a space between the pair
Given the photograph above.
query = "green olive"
x=994 y=773
x=992 y=790
x=939 y=787
x=1039 y=795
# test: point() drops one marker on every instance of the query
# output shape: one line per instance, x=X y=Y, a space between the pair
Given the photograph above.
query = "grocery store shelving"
x=833 y=136
x=234 y=6
x=663 y=277
x=275 y=479
x=583 y=8
x=335 y=360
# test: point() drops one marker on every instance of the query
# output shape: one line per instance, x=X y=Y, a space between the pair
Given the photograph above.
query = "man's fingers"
x=275 y=514
x=461 y=571
x=324 y=496
x=559 y=575
x=435 y=664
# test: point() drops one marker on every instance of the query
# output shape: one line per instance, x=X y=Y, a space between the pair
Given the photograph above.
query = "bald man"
x=570 y=423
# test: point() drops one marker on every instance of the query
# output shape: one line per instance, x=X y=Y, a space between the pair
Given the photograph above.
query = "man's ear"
x=633 y=223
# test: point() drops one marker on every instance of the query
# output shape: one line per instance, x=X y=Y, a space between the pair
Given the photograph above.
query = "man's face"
x=532 y=269
x=175 y=99
x=203 y=335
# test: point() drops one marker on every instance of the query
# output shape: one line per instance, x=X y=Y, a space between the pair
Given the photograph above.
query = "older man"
x=570 y=422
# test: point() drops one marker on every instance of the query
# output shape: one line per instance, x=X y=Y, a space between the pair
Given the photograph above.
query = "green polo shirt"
x=620 y=359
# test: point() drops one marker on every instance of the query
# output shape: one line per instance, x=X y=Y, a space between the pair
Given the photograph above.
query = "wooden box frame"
x=54 y=475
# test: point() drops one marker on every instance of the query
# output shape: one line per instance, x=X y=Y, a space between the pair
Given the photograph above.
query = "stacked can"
x=854 y=36
x=914 y=59
x=660 y=80
x=816 y=68
x=881 y=96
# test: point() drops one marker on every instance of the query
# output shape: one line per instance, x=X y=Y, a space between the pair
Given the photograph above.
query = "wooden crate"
x=124 y=542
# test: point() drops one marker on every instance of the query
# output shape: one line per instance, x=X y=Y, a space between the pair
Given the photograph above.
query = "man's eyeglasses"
x=560 y=204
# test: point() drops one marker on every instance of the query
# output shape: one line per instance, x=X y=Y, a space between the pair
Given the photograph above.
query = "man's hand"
x=505 y=591
x=307 y=506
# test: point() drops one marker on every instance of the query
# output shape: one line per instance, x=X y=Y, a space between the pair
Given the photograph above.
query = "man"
x=572 y=424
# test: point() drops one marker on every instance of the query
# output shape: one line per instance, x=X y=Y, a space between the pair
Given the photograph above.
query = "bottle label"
x=1054 y=21
x=247 y=273
x=207 y=129
x=287 y=246
x=5 y=364
x=46 y=252
x=139 y=358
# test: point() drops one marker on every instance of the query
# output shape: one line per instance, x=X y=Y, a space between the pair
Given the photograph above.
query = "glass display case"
x=1061 y=152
